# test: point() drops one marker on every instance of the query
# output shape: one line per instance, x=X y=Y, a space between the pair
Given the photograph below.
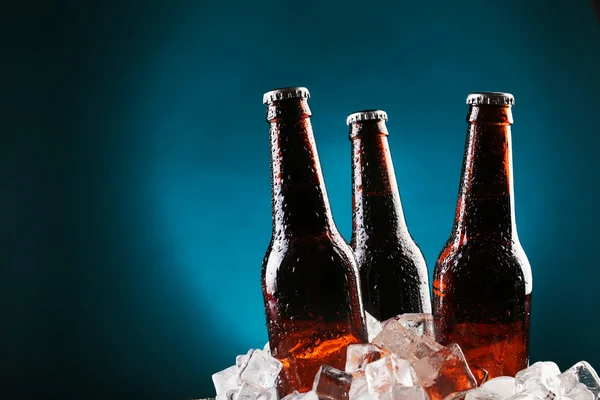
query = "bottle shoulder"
x=493 y=250
x=308 y=266
x=327 y=249
x=484 y=261
x=397 y=242
x=400 y=251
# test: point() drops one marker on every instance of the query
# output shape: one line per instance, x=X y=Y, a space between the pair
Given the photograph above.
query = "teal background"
x=134 y=168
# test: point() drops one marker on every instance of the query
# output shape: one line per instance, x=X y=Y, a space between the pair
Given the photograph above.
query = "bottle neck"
x=300 y=204
x=376 y=207
x=486 y=204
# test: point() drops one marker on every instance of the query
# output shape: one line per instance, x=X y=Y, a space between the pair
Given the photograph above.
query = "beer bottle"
x=482 y=278
x=393 y=273
x=310 y=280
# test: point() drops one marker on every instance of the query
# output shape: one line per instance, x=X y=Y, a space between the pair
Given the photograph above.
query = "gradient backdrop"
x=135 y=205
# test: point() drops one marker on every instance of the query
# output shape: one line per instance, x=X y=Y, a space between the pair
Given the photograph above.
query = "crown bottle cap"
x=294 y=92
x=366 y=115
x=490 y=98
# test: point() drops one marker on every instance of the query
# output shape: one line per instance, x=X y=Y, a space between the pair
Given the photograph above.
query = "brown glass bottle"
x=310 y=279
x=393 y=273
x=482 y=279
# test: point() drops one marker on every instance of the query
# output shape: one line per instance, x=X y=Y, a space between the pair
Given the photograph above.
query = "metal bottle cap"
x=294 y=92
x=491 y=98
x=366 y=115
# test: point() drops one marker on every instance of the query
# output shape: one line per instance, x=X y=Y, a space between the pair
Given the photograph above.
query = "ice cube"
x=401 y=392
x=267 y=348
x=387 y=371
x=396 y=338
x=261 y=370
x=419 y=324
x=373 y=326
x=481 y=375
x=226 y=380
x=540 y=379
x=359 y=355
x=274 y=394
x=331 y=383
x=481 y=394
x=457 y=395
x=445 y=372
x=359 y=389
x=241 y=360
x=524 y=396
x=295 y=395
x=380 y=374
x=425 y=347
x=579 y=392
x=249 y=391
x=310 y=395
x=498 y=388
x=403 y=372
x=503 y=386
x=583 y=373
x=231 y=394
x=301 y=396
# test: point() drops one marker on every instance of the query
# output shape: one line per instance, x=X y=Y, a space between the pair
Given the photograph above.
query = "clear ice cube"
x=359 y=355
x=425 y=347
x=226 y=380
x=396 y=338
x=233 y=393
x=241 y=360
x=401 y=392
x=540 y=379
x=331 y=383
x=457 y=395
x=311 y=395
x=249 y=391
x=579 y=392
x=359 y=389
x=583 y=373
x=230 y=395
x=524 y=396
x=387 y=371
x=295 y=395
x=403 y=373
x=482 y=394
x=274 y=394
x=373 y=326
x=261 y=370
x=267 y=348
x=481 y=375
x=444 y=373
x=503 y=386
x=419 y=324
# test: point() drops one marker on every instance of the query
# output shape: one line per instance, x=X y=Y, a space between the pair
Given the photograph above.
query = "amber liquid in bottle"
x=310 y=279
x=393 y=272
x=482 y=280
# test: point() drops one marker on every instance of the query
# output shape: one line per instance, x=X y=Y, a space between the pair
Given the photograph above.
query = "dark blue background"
x=135 y=203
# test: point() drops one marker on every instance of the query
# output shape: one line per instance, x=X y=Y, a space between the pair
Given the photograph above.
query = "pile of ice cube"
x=403 y=362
